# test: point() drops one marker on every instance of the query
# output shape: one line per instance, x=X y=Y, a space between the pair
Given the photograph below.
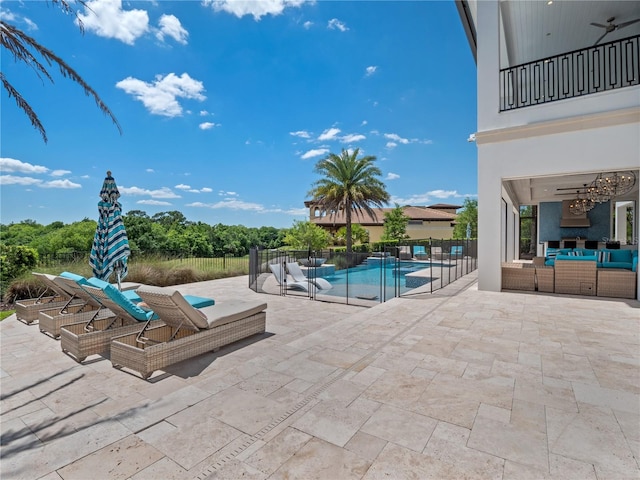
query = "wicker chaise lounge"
x=27 y=310
x=93 y=337
x=186 y=331
x=88 y=308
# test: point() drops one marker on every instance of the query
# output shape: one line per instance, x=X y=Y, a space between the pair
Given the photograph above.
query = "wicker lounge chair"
x=93 y=337
x=27 y=310
x=298 y=276
x=186 y=331
x=89 y=308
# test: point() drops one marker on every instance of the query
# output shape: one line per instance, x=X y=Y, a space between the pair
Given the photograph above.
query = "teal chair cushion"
x=118 y=297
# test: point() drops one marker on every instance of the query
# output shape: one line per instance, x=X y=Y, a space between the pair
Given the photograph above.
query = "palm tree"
x=350 y=184
x=26 y=49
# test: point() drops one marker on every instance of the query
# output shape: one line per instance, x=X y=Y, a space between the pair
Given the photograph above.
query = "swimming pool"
x=375 y=282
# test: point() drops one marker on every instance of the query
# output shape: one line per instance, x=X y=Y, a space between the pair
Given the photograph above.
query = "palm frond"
x=22 y=104
x=21 y=46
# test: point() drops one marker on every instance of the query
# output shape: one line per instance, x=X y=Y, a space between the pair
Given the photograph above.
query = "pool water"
x=373 y=282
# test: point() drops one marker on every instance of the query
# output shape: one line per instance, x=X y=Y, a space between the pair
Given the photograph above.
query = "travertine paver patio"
x=458 y=384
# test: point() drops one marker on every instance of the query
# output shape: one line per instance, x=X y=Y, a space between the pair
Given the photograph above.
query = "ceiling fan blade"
x=626 y=24
x=603 y=35
x=598 y=25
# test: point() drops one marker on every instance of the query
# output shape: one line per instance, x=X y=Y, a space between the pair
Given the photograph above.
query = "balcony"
x=603 y=67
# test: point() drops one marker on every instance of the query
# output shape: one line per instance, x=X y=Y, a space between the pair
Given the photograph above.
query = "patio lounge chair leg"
x=89 y=327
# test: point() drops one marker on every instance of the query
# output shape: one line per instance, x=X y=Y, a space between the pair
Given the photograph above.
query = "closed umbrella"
x=110 y=249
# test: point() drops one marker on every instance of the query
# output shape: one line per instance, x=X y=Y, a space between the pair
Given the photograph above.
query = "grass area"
x=6 y=313
x=157 y=272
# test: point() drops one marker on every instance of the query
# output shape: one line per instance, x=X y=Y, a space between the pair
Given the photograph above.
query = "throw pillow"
x=551 y=252
x=576 y=253
x=603 y=256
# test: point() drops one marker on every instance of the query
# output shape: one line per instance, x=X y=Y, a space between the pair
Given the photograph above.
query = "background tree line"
x=162 y=233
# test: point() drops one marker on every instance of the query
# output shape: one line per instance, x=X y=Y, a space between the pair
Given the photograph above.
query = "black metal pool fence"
x=362 y=278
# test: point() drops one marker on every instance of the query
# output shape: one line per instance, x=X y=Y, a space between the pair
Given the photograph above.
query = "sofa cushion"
x=583 y=258
x=620 y=256
x=625 y=265
x=585 y=251
x=576 y=253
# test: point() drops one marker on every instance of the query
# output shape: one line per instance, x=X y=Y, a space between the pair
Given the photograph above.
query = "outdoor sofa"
x=604 y=258
x=183 y=331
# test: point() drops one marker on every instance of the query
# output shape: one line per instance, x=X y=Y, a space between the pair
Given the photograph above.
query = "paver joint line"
x=363 y=361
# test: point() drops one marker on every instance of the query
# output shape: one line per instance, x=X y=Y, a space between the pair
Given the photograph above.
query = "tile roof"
x=414 y=213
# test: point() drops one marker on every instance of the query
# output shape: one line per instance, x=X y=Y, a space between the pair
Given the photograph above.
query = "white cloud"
x=255 y=8
x=153 y=202
x=206 y=190
x=427 y=197
x=392 y=176
x=443 y=193
x=106 y=18
x=307 y=25
x=163 y=192
x=170 y=26
x=391 y=145
x=222 y=193
x=13 y=180
x=396 y=138
x=301 y=134
x=203 y=113
x=150 y=170
x=232 y=204
x=371 y=70
x=317 y=152
x=65 y=184
x=160 y=96
x=60 y=173
x=329 y=134
x=352 y=137
x=364 y=122
x=335 y=24
x=208 y=125
x=182 y=187
x=13 y=165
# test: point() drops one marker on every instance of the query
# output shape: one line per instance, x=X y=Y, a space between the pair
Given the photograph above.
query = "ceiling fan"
x=610 y=26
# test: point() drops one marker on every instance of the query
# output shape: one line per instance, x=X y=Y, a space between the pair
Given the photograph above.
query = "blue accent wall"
x=550 y=214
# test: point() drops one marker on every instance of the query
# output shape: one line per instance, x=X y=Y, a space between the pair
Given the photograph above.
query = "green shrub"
x=14 y=261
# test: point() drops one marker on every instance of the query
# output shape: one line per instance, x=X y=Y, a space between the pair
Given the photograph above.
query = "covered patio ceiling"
x=531 y=191
x=539 y=29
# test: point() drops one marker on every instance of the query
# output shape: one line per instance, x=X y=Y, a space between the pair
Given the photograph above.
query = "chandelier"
x=582 y=203
x=609 y=185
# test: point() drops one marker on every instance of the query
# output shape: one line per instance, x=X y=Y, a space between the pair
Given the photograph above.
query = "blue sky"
x=226 y=106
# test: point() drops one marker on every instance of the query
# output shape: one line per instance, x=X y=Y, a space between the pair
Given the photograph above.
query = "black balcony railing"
x=589 y=70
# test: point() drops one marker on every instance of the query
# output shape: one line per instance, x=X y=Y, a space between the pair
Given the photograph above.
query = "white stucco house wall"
x=546 y=122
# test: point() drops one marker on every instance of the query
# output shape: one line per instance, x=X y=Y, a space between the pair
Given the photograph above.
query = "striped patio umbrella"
x=110 y=249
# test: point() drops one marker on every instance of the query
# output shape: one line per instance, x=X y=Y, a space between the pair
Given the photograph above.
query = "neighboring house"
x=424 y=222
x=558 y=104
